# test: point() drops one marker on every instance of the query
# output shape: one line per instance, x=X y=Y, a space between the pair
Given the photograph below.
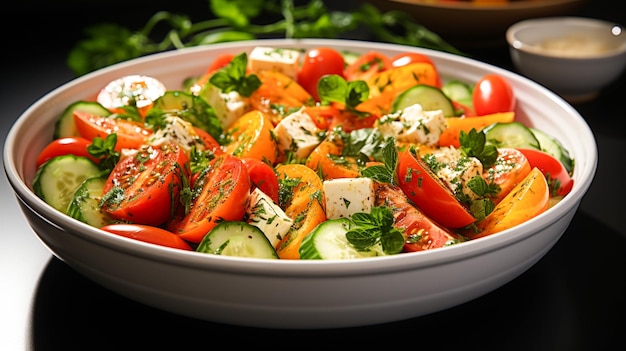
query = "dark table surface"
x=574 y=298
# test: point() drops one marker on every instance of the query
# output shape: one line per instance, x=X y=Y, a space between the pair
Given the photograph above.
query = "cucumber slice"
x=328 y=241
x=512 y=134
x=458 y=91
x=552 y=146
x=65 y=125
x=431 y=98
x=56 y=180
x=85 y=204
x=235 y=238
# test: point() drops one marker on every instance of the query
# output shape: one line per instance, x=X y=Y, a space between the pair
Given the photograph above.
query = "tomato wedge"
x=422 y=233
x=428 y=192
x=65 y=146
x=149 y=234
x=559 y=180
x=262 y=176
x=367 y=66
x=144 y=188
x=511 y=168
x=220 y=193
x=130 y=135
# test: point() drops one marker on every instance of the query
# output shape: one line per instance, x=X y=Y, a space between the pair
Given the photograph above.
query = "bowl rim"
x=303 y=268
x=515 y=43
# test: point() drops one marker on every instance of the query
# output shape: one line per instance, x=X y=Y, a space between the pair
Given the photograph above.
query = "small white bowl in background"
x=576 y=57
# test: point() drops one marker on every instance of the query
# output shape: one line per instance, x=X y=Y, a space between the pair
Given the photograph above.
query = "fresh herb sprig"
x=235 y=20
x=375 y=228
x=233 y=77
x=104 y=149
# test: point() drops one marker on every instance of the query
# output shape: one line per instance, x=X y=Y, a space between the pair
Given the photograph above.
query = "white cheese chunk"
x=285 y=61
x=413 y=125
x=456 y=170
x=297 y=134
x=179 y=131
x=346 y=196
x=227 y=106
x=266 y=215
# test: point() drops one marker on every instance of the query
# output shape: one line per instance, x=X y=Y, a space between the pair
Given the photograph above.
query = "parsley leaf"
x=474 y=144
x=233 y=77
x=104 y=149
x=375 y=228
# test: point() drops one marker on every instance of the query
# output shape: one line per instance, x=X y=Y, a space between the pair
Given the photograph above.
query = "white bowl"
x=576 y=57
x=288 y=293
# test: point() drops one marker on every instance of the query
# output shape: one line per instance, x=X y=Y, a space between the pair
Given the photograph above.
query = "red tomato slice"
x=511 y=168
x=130 y=135
x=144 y=188
x=209 y=142
x=149 y=234
x=316 y=64
x=559 y=180
x=422 y=232
x=65 y=146
x=262 y=176
x=408 y=58
x=429 y=193
x=493 y=94
x=220 y=194
x=366 y=66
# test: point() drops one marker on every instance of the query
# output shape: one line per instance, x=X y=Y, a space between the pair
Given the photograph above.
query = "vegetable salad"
x=294 y=154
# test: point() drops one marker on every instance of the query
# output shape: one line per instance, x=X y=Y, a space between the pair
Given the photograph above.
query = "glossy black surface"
x=572 y=299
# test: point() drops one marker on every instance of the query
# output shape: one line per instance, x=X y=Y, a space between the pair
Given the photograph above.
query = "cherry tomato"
x=220 y=62
x=144 y=188
x=366 y=66
x=209 y=142
x=63 y=146
x=130 y=134
x=428 y=192
x=220 y=193
x=559 y=180
x=316 y=64
x=493 y=94
x=422 y=233
x=262 y=176
x=407 y=58
x=149 y=234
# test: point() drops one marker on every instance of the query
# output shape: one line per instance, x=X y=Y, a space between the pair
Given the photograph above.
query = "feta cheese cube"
x=413 y=125
x=179 y=131
x=346 y=196
x=456 y=170
x=285 y=61
x=227 y=106
x=297 y=133
x=264 y=214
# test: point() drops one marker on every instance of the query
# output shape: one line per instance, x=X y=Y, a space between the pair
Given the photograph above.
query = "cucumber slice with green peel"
x=328 y=241
x=458 y=91
x=512 y=134
x=552 y=146
x=236 y=238
x=65 y=125
x=429 y=97
x=56 y=181
x=85 y=204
